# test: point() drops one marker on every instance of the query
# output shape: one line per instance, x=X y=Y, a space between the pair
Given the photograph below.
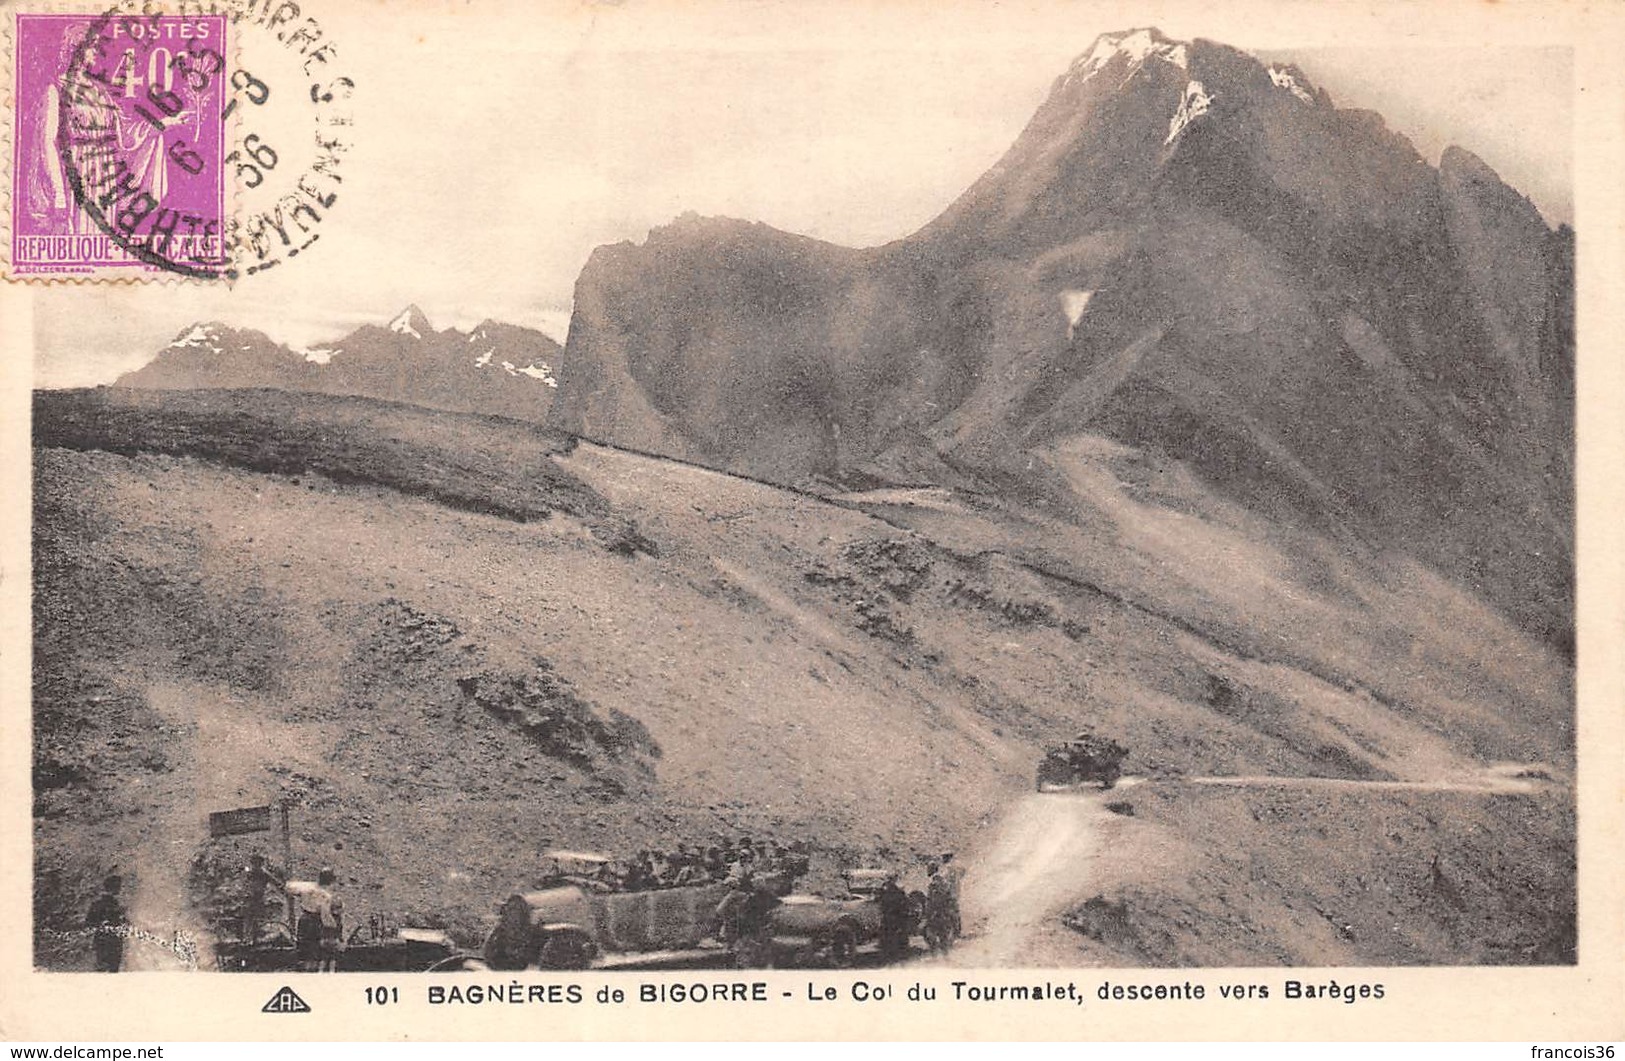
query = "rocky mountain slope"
x=1187 y=251
x=495 y=368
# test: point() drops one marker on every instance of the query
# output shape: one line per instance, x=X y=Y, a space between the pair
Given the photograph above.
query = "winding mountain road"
x=1041 y=857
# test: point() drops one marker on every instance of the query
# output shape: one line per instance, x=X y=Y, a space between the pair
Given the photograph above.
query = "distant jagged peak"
x=411 y=321
x=200 y=336
x=491 y=333
x=216 y=337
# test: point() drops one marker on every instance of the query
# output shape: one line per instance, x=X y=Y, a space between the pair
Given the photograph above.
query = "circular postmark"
x=206 y=143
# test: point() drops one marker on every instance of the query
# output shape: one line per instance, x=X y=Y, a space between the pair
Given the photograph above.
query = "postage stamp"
x=197 y=141
x=119 y=147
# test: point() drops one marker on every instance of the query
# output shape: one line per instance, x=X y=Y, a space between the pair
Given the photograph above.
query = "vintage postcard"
x=823 y=520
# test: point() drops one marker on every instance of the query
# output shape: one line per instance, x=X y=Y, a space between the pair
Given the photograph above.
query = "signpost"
x=244 y=820
x=287 y=866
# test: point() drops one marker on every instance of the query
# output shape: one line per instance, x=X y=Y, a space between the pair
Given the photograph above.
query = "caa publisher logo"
x=286 y=1001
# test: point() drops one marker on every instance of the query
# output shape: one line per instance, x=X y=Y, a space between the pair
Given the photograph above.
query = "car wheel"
x=459 y=963
x=752 y=953
x=565 y=950
x=841 y=947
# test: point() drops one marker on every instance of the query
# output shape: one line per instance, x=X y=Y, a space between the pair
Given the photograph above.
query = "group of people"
x=934 y=914
x=318 y=928
x=756 y=874
x=690 y=866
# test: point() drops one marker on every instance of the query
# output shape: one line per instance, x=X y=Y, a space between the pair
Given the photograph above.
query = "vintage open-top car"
x=1084 y=759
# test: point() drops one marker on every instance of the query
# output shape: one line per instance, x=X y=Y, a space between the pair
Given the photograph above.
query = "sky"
x=496 y=144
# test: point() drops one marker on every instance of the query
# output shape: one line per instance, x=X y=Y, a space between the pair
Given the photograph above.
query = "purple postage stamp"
x=118 y=145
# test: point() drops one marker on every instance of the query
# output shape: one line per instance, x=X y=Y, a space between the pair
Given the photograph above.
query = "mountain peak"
x=411 y=321
x=1135 y=45
x=199 y=336
x=437 y=369
x=1458 y=162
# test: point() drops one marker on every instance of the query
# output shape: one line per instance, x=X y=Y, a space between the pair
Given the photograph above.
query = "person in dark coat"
x=895 y=918
x=939 y=914
x=257 y=878
x=952 y=875
x=109 y=924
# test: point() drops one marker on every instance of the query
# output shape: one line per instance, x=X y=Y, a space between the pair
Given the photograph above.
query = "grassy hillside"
x=457 y=640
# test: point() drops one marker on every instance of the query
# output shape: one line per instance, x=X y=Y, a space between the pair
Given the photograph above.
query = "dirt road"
x=1041 y=857
x=1037 y=864
x=221 y=749
x=1495 y=779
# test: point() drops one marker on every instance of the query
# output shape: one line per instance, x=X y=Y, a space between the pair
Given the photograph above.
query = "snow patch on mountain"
x=411 y=322
x=1073 y=303
x=321 y=355
x=1284 y=79
x=200 y=337
x=535 y=370
x=540 y=370
x=1192 y=106
x=1137 y=45
x=485 y=358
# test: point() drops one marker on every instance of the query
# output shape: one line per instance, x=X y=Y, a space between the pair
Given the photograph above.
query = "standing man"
x=109 y=924
x=732 y=905
x=319 y=932
x=894 y=919
x=953 y=875
x=938 y=912
x=332 y=921
x=258 y=877
x=742 y=918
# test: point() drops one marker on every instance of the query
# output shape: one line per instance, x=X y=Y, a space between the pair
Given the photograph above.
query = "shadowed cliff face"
x=1187 y=251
